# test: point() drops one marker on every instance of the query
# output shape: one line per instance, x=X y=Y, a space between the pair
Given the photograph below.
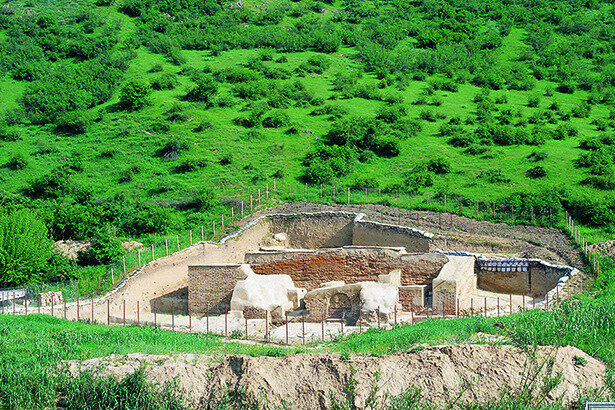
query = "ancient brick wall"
x=309 y=270
x=411 y=298
x=210 y=287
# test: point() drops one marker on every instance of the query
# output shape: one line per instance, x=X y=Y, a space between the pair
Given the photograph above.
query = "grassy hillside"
x=146 y=116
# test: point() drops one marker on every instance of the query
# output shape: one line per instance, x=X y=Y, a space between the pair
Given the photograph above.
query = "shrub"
x=566 y=87
x=16 y=162
x=74 y=122
x=277 y=119
x=536 y=172
x=25 y=248
x=166 y=81
x=172 y=149
x=533 y=101
x=203 y=91
x=391 y=113
x=600 y=182
x=9 y=135
x=536 y=156
x=191 y=164
x=52 y=185
x=581 y=111
x=418 y=178
x=386 y=147
x=226 y=159
x=439 y=165
x=105 y=249
x=427 y=115
x=159 y=127
x=133 y=95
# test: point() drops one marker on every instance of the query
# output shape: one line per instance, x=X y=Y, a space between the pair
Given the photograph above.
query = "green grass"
x=32 y=346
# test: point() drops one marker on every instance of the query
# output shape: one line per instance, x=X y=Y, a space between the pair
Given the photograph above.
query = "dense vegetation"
x=142 y=118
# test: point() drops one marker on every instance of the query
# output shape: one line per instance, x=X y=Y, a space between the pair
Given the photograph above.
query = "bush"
x=52 y=185
x=9 y=135
x=391 y=113
x=600 y=182
x=277 y=119
x=16 y=162
x=74 y=122
x=536 y=172
x=105 y=249
x=439 y=165
x=166 y=81
x=427 y=115
x=25 y=248
x=203 y=91
x=191 y=164
x=533 y=101
x=172 y=149
x=581 y=111
x=133 y=95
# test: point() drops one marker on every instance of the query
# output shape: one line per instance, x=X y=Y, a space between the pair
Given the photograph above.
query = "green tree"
x=25 y=248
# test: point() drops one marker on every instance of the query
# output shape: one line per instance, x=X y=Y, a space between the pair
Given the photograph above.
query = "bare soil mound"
x=606 y=248
x=70 y=249
x=464 y=373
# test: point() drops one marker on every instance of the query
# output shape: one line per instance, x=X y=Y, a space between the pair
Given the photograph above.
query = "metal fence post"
x=108 y=314
x=138 y=314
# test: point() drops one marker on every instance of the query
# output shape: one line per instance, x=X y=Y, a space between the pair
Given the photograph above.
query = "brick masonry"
x=311 y=270
x=211 y=287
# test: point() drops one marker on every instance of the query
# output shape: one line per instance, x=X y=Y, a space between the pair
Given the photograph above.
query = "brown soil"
x=464 y=373
x=606 y=248
x=71 y=249
x=550 y=244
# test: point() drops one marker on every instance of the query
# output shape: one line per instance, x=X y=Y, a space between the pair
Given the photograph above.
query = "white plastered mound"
x=378 y=296
x=267 y=292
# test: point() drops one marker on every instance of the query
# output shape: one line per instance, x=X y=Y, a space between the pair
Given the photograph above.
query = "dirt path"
x=477 y=373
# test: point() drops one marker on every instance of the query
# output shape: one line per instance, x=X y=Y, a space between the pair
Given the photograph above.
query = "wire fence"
x=292 y=328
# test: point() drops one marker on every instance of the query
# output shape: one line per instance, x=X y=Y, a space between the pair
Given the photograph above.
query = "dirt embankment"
x=460 y=373
x=550 y=244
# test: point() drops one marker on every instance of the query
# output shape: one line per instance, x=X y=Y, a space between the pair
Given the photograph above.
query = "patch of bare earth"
x=463 y=373
x=456 y=232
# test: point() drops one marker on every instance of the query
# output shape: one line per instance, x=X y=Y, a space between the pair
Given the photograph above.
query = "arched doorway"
x=339 y=306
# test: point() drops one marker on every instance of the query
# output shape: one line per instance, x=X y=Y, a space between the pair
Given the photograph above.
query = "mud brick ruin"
x=337 y=265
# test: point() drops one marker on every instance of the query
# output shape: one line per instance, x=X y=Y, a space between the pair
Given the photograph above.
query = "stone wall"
x=211 y=287
x=379 y=234
x=537 y=279
x=349 y=264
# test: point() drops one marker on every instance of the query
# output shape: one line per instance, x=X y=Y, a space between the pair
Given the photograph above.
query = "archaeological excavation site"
x=301 y=275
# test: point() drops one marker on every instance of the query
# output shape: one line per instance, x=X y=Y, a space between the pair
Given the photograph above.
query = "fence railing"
x=292 y=328
x=270 y=194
